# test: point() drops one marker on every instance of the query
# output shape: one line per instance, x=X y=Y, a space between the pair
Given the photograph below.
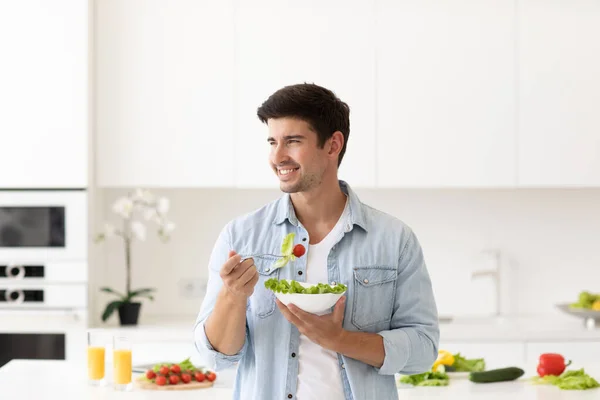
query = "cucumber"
x=496 y=375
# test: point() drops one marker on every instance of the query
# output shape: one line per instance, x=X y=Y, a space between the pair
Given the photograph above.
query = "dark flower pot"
x=129 y=312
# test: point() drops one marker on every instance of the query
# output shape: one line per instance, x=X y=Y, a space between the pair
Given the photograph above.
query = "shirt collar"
x=285 y=209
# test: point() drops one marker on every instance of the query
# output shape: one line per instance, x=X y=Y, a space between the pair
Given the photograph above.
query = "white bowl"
x=312 y=303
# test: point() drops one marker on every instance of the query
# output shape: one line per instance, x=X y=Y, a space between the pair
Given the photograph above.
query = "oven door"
x=43 y=225
x=37 y=346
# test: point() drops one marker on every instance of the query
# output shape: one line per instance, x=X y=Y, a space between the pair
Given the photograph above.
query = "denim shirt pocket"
x=262 y=301
x=374 y=295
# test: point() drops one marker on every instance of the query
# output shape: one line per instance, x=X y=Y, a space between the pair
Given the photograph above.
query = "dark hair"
x=314 y=104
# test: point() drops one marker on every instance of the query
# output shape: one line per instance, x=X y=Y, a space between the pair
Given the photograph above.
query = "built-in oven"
x=43 y=273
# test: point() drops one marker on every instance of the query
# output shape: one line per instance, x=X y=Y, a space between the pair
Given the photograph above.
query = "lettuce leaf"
x=461 y=364
x=569 y=380
x=293 y=287
x=429 y=378
x=288 y=244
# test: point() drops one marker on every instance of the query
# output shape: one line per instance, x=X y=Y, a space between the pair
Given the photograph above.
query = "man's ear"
x=336 y=143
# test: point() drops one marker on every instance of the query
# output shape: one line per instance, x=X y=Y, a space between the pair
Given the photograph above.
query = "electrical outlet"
x=191 y=288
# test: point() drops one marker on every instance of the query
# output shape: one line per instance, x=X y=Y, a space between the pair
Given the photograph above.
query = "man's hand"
x=239 y=277
x=324 y=330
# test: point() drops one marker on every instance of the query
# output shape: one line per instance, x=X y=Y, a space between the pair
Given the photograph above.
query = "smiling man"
x=387 y=321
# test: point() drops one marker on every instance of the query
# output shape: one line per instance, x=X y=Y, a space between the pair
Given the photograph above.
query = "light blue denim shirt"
x=389 y=293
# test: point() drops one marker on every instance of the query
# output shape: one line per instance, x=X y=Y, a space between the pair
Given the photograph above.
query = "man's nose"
x=279 y=155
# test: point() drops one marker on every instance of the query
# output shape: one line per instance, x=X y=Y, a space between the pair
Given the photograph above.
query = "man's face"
x=295 y=156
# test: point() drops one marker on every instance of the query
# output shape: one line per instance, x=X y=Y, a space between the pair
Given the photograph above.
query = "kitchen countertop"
x=37 y=379
x=534 y=328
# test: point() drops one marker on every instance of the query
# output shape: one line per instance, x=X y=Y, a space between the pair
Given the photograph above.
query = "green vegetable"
x=429 y=378
x=462 y=364
x=283 y=286
x=569 y=380
x=184 y=365
x=586 y=299
x=496 y=375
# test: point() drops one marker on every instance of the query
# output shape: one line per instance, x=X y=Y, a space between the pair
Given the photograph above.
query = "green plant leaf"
x=288 y=244
x=110 y=308
x=109 y=290
x=140 y=293
x=281 y=262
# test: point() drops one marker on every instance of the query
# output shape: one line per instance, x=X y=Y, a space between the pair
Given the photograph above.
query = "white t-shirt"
x=318 y=369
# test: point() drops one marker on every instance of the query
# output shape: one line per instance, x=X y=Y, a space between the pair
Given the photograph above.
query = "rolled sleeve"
x=218 y=360
x=411 y=345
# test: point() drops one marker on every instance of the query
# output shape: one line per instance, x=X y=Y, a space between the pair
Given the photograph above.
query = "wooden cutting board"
x=141 y=383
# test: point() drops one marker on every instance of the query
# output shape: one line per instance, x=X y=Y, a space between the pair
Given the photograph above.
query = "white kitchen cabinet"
x=581 y=353
x=445 y=93
x=495 y=354
x=279 y=43
x=164 y=87
x=559 y=86
x=44 y=94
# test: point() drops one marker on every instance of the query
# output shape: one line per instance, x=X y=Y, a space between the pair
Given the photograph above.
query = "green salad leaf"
x=569 y=380
x=429 y=378
x=284 y=286
x=462 y=364
x=288 y=244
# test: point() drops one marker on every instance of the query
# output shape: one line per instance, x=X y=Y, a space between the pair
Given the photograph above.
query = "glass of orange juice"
x=95 y=357
x=122 y=363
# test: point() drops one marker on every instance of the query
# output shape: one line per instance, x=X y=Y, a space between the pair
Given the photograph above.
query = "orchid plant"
x=133 y=209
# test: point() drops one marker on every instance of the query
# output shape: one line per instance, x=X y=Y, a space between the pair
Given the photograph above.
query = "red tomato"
x=176 y=369
x=164 y=370
x=186 y=378
x=150 y=374
x=199 y=376
x=299 y=250
x=173 y=379
x=211 y=376
x=161 y=380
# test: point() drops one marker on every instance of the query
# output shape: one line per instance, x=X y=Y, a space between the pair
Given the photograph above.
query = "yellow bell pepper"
x=444 y=358
x=596 y=305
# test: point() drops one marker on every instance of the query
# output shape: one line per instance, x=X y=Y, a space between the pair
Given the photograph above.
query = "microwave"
x=43 y=226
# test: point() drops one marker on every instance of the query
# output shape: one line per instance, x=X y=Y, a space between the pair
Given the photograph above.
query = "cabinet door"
x=445 y=93
x=496 y=355
x=559 y=86
x=44 y=94
x=164 y=93
x=280 y=43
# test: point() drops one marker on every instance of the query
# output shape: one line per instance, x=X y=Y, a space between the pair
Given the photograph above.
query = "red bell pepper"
x=551 y=364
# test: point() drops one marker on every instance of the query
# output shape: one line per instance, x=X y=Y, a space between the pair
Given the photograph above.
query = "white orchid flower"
x=139 y=230
x=123 y=207
x=168 y=227
x=163 y=205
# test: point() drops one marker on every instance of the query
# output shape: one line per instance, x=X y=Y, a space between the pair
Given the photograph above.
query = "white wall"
x=549 y=239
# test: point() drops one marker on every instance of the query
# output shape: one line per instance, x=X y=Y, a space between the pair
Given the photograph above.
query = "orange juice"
x=95 y=363
x=122 y=366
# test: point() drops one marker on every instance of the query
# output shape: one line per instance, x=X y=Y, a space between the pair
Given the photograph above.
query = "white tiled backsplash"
x=549 y=241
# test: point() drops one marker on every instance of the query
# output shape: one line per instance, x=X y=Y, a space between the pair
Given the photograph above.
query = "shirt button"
x=333 y=283
x=299 y=272
x=366 y=281
x=293 y=354
x=268 y=269
x=290 y=396
x=343 y=366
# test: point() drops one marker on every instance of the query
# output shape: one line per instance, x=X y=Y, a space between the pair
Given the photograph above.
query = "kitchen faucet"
x=495 y=274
